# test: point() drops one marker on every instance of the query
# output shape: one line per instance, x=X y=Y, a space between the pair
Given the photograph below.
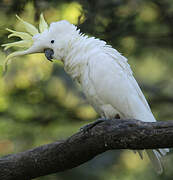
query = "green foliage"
x=1 y=70
x=39 y=103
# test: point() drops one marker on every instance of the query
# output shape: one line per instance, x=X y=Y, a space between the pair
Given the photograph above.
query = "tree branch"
x=83 y=146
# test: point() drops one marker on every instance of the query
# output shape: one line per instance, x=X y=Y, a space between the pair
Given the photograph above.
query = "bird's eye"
x=52 y=41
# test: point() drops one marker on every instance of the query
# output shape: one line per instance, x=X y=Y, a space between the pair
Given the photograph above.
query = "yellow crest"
x=26 y=37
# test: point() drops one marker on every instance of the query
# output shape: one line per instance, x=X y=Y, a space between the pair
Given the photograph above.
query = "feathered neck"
x=81 y=49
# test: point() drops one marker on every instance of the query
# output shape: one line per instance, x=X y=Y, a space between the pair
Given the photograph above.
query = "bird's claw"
x=87 y=127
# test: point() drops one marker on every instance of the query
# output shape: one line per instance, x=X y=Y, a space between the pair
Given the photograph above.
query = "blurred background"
x=40 y=104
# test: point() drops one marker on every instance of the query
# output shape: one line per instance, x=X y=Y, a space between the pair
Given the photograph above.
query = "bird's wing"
x=123 y=62
x=115 y=84
x=113 y=80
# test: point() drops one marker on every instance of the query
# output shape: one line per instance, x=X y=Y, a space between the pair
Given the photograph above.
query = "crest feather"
x=23 y=43
x=27 y=38
x=22 y=35
x=43 y=24
x=9 y=58
x=29 y=27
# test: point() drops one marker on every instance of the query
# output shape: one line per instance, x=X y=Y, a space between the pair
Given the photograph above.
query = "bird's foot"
x=87 y=127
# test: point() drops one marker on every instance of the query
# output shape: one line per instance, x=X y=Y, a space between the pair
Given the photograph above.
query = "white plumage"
x=103 y=73
x=108 y=83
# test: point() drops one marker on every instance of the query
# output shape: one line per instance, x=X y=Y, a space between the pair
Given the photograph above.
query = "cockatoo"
x=103 y=73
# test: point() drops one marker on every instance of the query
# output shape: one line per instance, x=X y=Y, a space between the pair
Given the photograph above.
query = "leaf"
x=1 y=70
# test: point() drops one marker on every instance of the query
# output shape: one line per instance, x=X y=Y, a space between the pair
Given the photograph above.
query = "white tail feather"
x=155 y=158
x=140 y=154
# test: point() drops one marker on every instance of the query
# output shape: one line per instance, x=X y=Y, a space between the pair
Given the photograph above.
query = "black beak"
x=49 y=53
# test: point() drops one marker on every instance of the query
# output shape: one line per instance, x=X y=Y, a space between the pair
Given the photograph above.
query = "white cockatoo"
x=103 y=73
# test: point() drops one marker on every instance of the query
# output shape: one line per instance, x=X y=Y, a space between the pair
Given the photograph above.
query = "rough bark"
x=83 y=146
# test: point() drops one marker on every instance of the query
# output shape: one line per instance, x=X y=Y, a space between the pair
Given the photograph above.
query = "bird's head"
x=51 y=40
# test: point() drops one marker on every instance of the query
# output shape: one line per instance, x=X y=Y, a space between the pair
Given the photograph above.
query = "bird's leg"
x=117 y=116
x=91 y=125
